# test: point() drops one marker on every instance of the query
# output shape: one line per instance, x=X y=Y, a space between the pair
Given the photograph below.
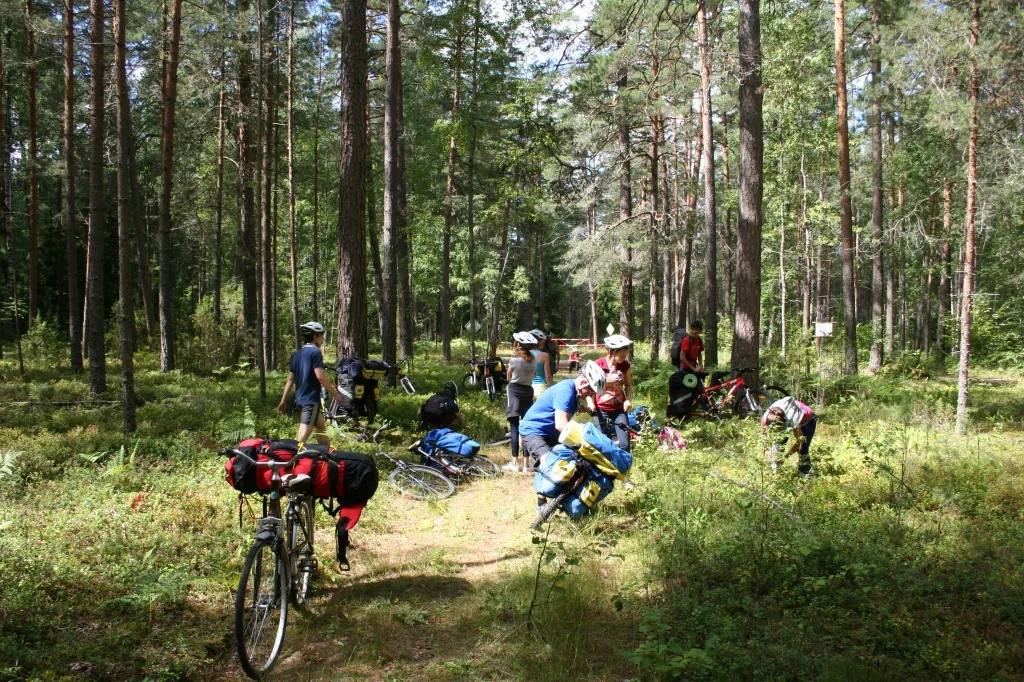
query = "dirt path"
x=423 y=576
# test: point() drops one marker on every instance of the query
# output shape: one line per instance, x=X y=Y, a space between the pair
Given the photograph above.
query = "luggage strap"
x=243 y=500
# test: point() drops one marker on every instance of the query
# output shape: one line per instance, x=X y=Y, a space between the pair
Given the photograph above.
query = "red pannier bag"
x=247 y=478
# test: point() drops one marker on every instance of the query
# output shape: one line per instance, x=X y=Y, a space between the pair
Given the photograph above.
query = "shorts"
x=537 y=446
x=520 y=397
x=309 y=414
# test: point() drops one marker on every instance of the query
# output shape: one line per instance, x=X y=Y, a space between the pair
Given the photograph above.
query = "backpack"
x=439 y=410
x=680 y=397
x=359 y=385
x=449 y=441
x=349 y=478
x=677 y=341
x=671 y=439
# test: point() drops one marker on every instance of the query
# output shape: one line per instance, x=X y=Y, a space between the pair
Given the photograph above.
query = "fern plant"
x=239 y=427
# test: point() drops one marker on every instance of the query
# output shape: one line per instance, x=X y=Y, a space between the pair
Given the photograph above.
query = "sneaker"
x=511 y=466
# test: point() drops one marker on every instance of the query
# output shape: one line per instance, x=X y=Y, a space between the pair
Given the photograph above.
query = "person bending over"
x=789 y=414
x=306 y=374
x=548 y=416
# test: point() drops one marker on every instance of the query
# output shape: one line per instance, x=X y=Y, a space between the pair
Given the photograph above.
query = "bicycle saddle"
x=299 y=483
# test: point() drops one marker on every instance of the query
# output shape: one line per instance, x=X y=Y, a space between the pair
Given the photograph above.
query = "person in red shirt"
x=691 y=350
x=617 y=359
x=612 y=407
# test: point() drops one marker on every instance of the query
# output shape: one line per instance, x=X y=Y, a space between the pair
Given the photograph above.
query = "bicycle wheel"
x=261 y=609
x=421 y=482
x=469 y=379
x=301 y=529
x=545 y=512
x=481 y=467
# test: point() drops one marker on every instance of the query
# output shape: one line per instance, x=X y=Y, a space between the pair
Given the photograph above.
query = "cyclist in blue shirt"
x=549 y=414
x=306 y=373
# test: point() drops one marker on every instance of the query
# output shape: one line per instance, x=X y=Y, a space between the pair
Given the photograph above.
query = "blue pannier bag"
x=556 y=468
x=598 y=449
x=451 y=442
x=584 y=499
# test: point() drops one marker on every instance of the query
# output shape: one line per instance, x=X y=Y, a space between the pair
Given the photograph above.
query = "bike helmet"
x=451 y=388
x=539 y=335
x=311 y=328
x=525 y=338
x=617 y=341
x=594 y=376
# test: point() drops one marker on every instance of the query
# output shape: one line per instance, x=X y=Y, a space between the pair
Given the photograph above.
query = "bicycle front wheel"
x=300 y=544
x=421 y=482
x=546 y=510
x=481 y=467
x=261 y=609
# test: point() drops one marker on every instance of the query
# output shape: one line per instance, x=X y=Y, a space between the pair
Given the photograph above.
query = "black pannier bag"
x=359 y=385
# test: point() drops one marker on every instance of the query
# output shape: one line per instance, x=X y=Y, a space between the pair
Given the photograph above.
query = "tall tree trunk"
x=890 y=247
x=94 y=318
x=654 y=288
x=591 y=290
x=499 y=282
x=846 y=208
x=404 y=261
x=471 y=183
x=268 y=110
x=70 y=192
x=292 y=256
x=726 y=297
x=141 y=239
x=877 y=274
x=942 y=318
x=125 y=233
x=246 y=177
x=351 y=338
x=444 y=316
x=710 y=218
x=218 y=251
x=393 y=219
x=33 y=166
x=782 y=272
x=805 y=288
x=625 y=204
x=169 y=96
x=746 y=344
x=966 y=297
x=316 y=175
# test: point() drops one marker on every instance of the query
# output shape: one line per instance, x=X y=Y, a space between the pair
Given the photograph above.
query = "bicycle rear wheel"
x=481 y=467
x=300 y=541
x=421 y=482
x=261 y=609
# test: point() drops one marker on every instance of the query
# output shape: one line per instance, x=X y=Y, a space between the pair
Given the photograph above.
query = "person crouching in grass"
x=790 y=415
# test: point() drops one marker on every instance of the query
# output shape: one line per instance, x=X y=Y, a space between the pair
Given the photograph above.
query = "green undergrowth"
x=899 y=559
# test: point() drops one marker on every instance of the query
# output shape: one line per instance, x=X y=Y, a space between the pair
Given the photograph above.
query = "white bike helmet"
x=312 y=328
x=617 y=341
x=525 y=338
x=594 y=375
x=539 y=335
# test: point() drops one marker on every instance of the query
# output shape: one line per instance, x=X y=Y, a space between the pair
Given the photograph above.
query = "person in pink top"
x=612 y=408
x=618 y=347
x=789 y=414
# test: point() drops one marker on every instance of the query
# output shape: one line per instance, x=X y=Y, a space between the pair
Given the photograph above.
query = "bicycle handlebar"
x=270 y=464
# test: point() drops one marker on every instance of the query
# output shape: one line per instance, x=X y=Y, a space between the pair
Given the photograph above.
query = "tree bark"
x=654 y=288
x=625 y=203
x=963 y=375
x=33 y=166
x=690 y=207
x=316 y=176
x=877 y=273
x=94 y=318
x=942 y=318
x=71 y=231
x=444 y=316
x=246 y=173
x=499 y=282
x=746 y=344
x=393 y=218
x=266 y=185
x=166 y=256
x=845 y=206
x=710 y=218
x=471 y=182
x=219 y=201
x=351 y=336
x=292 y=255
x=125 y=233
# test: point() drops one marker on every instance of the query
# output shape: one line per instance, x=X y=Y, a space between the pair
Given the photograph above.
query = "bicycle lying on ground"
x=278 y=569
x=721 y=399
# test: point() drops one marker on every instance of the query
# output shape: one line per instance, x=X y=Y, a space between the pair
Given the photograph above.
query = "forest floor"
x=900 y=559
